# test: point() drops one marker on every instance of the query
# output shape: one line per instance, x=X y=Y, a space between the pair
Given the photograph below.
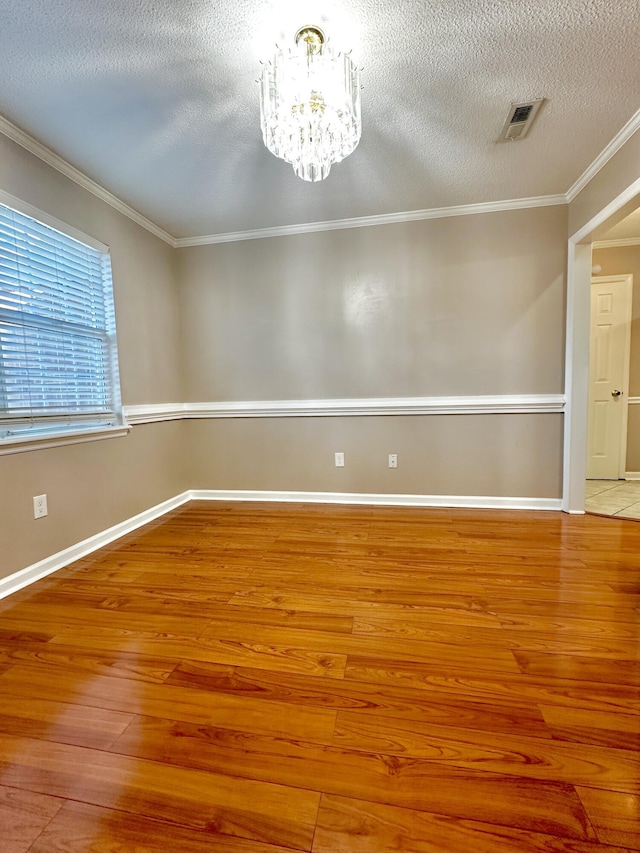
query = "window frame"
x=66 y=432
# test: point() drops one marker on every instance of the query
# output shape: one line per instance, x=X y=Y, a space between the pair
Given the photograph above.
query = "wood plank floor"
x=262 y=678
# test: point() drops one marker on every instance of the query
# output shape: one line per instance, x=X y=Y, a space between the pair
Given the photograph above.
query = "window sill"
x=21 y=444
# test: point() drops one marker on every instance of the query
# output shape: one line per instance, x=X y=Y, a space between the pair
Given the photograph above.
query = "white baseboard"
x=632 y=475
x=455 y=501
x=45 y=567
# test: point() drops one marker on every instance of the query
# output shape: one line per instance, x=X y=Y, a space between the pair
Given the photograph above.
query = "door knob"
x=616 y=393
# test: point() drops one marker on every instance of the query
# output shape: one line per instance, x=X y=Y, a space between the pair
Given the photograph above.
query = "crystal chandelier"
x=310 y=105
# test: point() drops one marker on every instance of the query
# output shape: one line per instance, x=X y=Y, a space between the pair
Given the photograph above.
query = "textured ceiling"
x=157 y=101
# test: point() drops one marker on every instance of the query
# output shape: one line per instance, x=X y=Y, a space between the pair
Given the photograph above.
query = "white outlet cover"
x=339 y=460
x=40 y=506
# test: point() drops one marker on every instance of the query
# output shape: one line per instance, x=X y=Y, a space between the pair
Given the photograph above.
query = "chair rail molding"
x=464 y=405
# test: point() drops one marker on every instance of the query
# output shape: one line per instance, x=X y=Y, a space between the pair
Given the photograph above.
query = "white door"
x=609 y=376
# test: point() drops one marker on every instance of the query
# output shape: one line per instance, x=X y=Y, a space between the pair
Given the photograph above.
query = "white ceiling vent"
x=519 y=119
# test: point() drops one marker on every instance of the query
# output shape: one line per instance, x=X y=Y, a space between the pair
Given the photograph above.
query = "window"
x=58 y=357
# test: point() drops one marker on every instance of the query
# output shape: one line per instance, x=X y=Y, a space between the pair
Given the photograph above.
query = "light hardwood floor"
x=252 y=678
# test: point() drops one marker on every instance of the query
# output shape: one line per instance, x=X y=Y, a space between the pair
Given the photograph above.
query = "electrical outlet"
x=40 y=506
x=339 y=460
x=393 y=460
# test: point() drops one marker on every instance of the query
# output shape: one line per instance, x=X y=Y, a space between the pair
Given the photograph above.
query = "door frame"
x=627 y=280
x=577 y=352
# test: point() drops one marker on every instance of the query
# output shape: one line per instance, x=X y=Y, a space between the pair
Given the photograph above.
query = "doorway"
x=577 y=349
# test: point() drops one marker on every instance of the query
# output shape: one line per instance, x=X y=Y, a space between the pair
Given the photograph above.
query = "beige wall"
x=466 y=306
x=620 y=261
x=90 y=487
x=490 y=455
x=93 y=486
x=457 y=306
x=633 y=439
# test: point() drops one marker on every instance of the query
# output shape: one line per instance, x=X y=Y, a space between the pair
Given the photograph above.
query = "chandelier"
x=310 y=105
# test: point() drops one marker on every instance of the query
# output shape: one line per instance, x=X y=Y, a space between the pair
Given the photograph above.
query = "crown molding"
x=29 y=143
x=480 y=405
x=605 y=155
x=368 y=221
x=16 y=134
x=616 y=244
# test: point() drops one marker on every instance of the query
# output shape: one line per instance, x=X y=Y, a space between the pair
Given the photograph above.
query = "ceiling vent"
x=519 y=119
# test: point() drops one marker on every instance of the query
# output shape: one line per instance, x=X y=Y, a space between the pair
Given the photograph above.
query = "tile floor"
x=614 y=497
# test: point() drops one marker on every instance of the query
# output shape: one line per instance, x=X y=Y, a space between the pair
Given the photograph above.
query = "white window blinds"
x=58 y=359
